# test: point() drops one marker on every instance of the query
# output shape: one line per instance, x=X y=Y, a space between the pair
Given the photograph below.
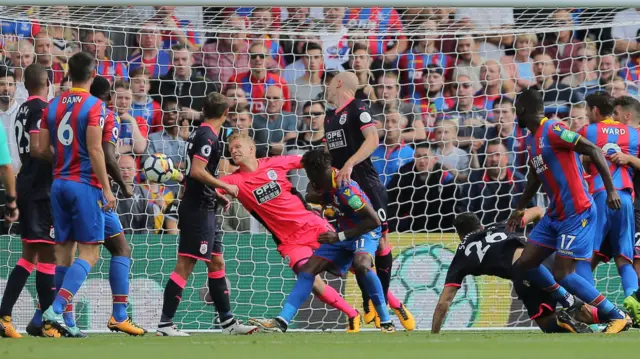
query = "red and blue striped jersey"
x=169 y=39
x=612 y=136
x=67 y=117
x=151 y=111
x=347 y=201
x=412 y=65
x=558 y=166
x=110 y=69
x=255 y=89
x=14 y=30
x=379 y=20
x=157 y=66
x=111 y=130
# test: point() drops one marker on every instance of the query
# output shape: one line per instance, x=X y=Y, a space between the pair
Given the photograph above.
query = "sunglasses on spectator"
x=314 y=114
x=255 y=56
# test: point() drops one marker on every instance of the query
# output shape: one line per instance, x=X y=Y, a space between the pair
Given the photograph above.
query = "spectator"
x=133 y=131
x=561 y=46
x=583 y=70
x=21 y=54
x=451 y=158
x=168 y=141
x=308 y=86
x=42 y=45
x=334 y=38
x=495 y=190
x=143 y=105
x=279 y=124
x=509 y=133
x=626 y=37
x=487 y=19
x=181 y=32
x=393 y=153
x=627 y=111
x=429 y=95
x=297 y=68
x=386 y=21
x=470 y=118
x=255 y=81
x=182 y=82
x=148 y=55
x=557 y=97
x=311 y=138
x=240 y=120
x=423 y=54
x=61 y=36
x=360 y=63
x=619 y=87
x=229 y=55
x=135 y=213
x=423 y=196
x=494 y=85
x=388 y=94
x=577 y=117
x=468 y=60
x=96 y=43
x=235 y=96
x=608 y=69
x=8 y=111
x=261 y=22
x=65 y=86
x=519 y=67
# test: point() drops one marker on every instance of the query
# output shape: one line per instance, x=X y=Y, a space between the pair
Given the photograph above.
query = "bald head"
x=342 y=88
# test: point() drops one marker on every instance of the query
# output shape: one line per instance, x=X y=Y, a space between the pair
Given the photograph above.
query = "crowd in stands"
x=443 y=104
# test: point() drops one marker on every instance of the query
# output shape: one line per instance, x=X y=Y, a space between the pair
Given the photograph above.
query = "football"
x=158 y=168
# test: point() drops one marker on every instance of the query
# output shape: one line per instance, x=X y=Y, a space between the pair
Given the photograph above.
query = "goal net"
x=440 y=83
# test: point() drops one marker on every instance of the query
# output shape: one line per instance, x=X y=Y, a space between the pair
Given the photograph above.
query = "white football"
x=158 y=168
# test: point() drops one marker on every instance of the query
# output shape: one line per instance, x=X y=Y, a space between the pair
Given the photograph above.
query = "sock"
x=392 y=300
x=541 y=276
x=73 y=280
x=629 y=279
x=589 y=294
x=374 y=288
x=61 y=272
x=300 y=292
x=45 y=286
x=220 y=294
x=172 y=297
x=15 y=284
x=334 y=299
x=384 y=262
x=583 y=268
x=119 y=282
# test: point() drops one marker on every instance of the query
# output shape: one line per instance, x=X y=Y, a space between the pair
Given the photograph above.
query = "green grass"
x=467 y=345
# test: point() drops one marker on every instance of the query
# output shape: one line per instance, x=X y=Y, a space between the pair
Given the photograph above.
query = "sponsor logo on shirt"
x=336 y=139
x=267 y=192
x=538 y=164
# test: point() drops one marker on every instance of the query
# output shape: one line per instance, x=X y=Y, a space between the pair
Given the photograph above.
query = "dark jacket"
x=190 y=93
x=494 y=201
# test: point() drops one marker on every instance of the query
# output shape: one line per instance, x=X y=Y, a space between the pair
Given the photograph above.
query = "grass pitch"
x=401 y=345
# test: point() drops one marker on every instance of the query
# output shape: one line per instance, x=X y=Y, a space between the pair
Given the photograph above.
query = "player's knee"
x=318 y=286
x=118 y=246
x=46 y=254
x=65 y=253
x=184 y=266
x=30 y=252
x=362 y=264
x=216 y=264
x=89 y=253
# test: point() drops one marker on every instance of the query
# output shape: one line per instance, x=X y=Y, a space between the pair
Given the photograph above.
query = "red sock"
x=334 y=299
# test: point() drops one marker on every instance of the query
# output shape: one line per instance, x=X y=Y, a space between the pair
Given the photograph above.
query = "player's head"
x=600 y=105
x=466 y=223
x=36 y=79
x=627 y=111
x=529 y=108
x=317 y=165
x=82 y=67
x=101 y=88
x=345 y=83
x=215 y=107
x=242 y=148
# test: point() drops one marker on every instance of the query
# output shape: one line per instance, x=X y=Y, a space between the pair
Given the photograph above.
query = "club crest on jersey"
x=52 y=233
x=557 y=128
x=584 y=222
x=541 y=142
x=272 y=175
x=203 y=247
x=343 y=119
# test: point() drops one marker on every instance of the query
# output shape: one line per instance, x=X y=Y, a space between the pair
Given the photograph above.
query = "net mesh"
x=442 y=76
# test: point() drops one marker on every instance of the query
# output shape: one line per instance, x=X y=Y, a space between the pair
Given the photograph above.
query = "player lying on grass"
x=570 y=225
x=355 y=244
x=265 y=191
x=492 y=251
x=615 y=237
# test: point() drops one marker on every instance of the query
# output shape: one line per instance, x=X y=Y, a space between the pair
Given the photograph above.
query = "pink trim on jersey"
x=604 y=257
x=28 y=266
x=216 y=275
x=204 y=124
x=200 y=158
x=194 y=257
x=541 y=310
x=177 y=279
x=34 y=131
x=367 y=126
x=32 y=97
x=216 y=254
x=455 y=285
x=46 y=268
x=45 y=241
x=345 y=105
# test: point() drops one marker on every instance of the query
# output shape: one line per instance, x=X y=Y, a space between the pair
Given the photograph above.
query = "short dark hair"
x=502 y=100
x=6 y=72
x=101 y=88
x=628 y=103
x=603 y=101
x=35 y=77
x=166 y=100
x=215 y=104
x=81 y=66
x=140 y=71
x=531 y=100
x=311 y=45
x=316 y=162
x=359 y=46
x=311 y=103
x=121 y=84
x=466 y=223
x=424 y=144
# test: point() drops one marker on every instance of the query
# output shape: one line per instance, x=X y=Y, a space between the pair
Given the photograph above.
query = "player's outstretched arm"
x=199 y=173
x=444 y=302
x=588 y=148
x=96 y=156
x=530 y=190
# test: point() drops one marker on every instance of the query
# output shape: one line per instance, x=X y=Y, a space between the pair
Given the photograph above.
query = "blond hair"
x=242 y=137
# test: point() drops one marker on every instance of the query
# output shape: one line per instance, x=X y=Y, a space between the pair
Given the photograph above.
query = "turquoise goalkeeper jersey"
x=5 y=155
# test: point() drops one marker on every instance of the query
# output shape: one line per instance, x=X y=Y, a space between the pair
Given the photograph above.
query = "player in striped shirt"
x=80 y=193
x=617 y=228
x=570 y=224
